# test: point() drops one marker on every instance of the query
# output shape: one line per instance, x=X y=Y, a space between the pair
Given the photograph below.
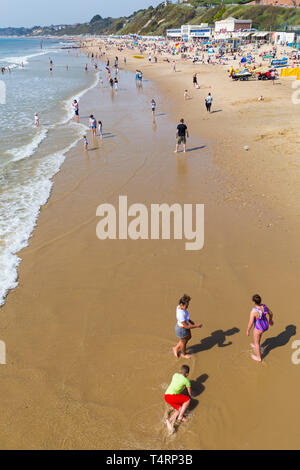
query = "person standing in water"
x=183 y=326
x=176 y=399
x=259 y=321
x=182 y=134
x=153 y=107
x=93 y=125
x=76 y=109
x=100 y=127
x=36 y=120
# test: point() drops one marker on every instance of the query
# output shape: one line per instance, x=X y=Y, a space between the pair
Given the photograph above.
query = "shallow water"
x=31 y=156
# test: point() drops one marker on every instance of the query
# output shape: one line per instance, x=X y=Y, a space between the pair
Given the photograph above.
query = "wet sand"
x=90 y=329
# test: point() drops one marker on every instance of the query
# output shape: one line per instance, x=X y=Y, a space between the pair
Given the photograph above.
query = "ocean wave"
x=25 y=151
x=24 y=59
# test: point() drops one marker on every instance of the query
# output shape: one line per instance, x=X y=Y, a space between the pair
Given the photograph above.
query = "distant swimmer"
x=176 y=399
x=85 y=143
x=36 y=120
x=259 y=321
x=76 y=109
x=183 y=326
x=208 y=102
x=182 y=134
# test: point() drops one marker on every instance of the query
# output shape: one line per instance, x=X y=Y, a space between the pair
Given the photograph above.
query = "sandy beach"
x=90 y=328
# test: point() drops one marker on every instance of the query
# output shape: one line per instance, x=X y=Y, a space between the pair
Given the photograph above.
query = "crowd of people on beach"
x=261 y=317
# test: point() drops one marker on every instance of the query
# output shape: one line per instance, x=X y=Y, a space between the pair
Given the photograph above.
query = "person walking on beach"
x=100 y=127
x=182 y=134
x=259 y=321
x=116 y=83
x=176 y=399
x=76 y=109
x=183 y=326
x=93 y=125
x=208 y=102
x=195 y=81
x=153 y=107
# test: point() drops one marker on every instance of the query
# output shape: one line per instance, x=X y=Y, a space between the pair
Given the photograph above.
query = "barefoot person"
x=183 y=326
x=208 y=102
x=182 y=134
x=259 y=321
x=176 y=399
x=93 y=125
x=85 y=143
x=76 y=109
x=153 y=107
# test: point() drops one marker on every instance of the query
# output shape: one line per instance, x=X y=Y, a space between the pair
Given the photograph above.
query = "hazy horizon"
x=32 y=13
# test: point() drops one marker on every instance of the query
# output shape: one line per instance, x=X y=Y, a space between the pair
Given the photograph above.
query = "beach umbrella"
x=243 y=60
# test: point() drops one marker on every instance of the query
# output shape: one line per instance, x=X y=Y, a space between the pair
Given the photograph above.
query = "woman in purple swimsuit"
x=259 y=321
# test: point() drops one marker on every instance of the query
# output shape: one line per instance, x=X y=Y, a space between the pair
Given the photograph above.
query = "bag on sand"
x=197 y=86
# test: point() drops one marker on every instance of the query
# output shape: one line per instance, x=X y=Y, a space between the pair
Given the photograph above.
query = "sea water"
x=30 y=156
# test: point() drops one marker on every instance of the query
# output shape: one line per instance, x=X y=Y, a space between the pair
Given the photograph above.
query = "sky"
x=30 y=13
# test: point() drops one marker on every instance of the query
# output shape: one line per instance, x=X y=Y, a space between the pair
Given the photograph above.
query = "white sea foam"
x=25 y=183
x=23 y=59
x=19 y=209
x=69 y=101
x=25 y=151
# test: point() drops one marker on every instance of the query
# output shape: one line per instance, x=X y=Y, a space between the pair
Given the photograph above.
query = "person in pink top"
x=260 y=323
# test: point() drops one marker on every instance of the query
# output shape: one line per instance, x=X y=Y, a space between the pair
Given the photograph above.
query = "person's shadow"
x=277 y=341
x=217 y=338
x=197 y=388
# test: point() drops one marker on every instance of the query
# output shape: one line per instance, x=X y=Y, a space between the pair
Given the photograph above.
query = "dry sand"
x=90 y=329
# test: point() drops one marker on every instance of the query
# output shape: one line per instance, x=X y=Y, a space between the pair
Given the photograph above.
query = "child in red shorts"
x=176 y=399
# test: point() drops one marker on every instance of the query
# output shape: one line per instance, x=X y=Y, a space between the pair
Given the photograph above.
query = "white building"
x=230 y=25
x=190 y=32
x=282 y=37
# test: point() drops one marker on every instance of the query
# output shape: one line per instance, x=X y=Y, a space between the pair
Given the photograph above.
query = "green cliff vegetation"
x=155 y=21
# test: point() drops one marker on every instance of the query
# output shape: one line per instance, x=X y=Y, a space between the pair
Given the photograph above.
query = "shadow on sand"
x=217 y=338
x=277 y=341
x=196 y=148
x=197 y=388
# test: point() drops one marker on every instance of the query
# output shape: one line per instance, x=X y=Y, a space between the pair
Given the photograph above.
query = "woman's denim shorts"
x=181 y=332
